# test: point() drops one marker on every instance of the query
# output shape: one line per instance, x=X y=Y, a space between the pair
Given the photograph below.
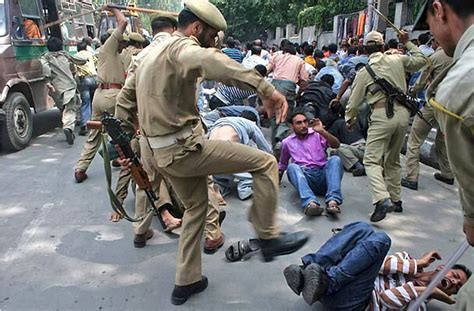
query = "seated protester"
x=350 y=272
x=308 y=55
x=254 y=59
x=232 y=51
x=231 y=95
x=331 y=69
x=351 y=52
x=316 y=98
x=310 y=172
x=243 y=130
x=352 y=148
x=227 y=111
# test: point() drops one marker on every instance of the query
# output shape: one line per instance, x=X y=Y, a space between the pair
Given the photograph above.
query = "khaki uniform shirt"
x=109 y=63
x=391 y=67
x=166 y=82
x=126 y=108
x=127 y=55
x=439 y=61
x=454 y=90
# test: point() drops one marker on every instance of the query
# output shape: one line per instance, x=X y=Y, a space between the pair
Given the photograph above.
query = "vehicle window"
x=3 y=21
x=29 y=8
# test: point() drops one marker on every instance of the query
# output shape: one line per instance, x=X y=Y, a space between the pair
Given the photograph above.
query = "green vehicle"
x=22 y=41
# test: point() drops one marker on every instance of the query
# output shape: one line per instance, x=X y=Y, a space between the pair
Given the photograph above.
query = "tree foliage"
x=321 y=14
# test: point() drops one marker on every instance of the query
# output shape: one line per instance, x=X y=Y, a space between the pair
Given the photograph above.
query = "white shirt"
x=254 y=60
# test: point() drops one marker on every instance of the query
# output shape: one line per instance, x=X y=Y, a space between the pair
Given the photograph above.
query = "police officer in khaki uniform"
x=420 y=128
x=135 y=45
x=110 y=79
x=452 y=96
x=385 y=135
x=173 y=135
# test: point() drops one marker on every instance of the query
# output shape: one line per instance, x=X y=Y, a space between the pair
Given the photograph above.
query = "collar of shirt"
x=374 y=57
x=310 y=132
x=467 y=39
x=161 y=34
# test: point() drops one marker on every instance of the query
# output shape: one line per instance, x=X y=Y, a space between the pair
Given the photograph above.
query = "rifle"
x=395 y=94
x=121 y=140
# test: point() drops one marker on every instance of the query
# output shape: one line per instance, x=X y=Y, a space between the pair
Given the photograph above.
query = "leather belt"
x=379 y=104
x=106 y=86
x=163 y=141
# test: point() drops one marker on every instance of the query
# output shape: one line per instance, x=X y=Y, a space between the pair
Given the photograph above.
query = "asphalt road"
x=58 y=251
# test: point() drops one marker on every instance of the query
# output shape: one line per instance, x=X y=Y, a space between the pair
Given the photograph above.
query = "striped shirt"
x=235 y=54
x=394 y=287
x=231 y=95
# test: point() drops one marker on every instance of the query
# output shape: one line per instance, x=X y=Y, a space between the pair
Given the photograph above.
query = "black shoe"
x=83 y=131
x=358 y=170
x=413 y=185
x=222 y=215
x=139 y=241
x=316 y=283
x=69 y=136
x=382 y=207
x=182 y=293
x=294 y=278
x=449 y=181
x=286 y=243
x=398 y=207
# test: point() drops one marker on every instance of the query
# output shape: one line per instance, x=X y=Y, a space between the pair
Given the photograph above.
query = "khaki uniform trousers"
x=104 y=101
x=188 y=164
x=167 y=196
x=349 y=154
x=419 y=131
x=382 y=153
x=465 y=298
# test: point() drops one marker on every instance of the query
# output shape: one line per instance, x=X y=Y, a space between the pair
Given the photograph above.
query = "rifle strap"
x=114 y=201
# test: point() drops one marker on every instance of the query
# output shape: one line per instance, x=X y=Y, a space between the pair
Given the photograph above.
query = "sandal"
x=336 y=230
x=333 y=208
x=239 y=249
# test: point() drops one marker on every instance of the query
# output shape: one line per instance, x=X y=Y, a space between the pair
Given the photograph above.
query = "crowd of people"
x=327 y=114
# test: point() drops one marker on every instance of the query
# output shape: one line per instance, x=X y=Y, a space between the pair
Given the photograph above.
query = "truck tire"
x=17 y=128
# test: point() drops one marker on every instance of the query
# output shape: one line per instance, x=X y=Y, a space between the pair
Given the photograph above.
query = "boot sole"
x=382 y=215
x=270 y=257
x=181 y=300
x=69 y=136
x=294 y=278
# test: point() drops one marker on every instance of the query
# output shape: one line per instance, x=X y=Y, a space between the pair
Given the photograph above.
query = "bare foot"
x=115 y=217
x=171 y=222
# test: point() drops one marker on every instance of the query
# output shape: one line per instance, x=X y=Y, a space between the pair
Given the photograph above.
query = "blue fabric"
x=333 y=71
x=235 y=54
x=87 y=87
x=323 y=181
x=352 y=260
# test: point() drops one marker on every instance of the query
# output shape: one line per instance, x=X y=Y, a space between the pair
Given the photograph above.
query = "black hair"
x=290 y=49
x=249 y=115
x=256 y=50
x=329 y=79
x=463 y=268
x=308 y=50
x=298 y=111
x=352 y=50
x=160 y=24
x=324 y=48
x=423 y=38
x=186 y=18
x=332 y=48
x=262 y=70
x=81 y=46
x=318 y=54
x=230 y=43
x=54 y=44
x=462 y=8
x=284 y=43
x=392 y=44
x=104 y=38
x=361 y=50
x=373 y=48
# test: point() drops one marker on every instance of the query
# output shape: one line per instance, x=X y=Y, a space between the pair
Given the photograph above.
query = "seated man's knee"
x=292 y=167
x=360 y=227
x=335 y=160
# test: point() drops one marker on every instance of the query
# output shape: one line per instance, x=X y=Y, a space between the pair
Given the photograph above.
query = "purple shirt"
x=308 y=152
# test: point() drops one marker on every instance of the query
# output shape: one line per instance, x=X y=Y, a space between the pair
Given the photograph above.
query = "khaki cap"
x=421 y=23
x=373 y=38
x=207 y=12
x=165 y=17
x=135 y=36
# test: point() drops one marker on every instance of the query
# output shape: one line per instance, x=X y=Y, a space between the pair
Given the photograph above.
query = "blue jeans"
x=323 y=181
x=87 y=87
x=244 y=184
x=352 y=260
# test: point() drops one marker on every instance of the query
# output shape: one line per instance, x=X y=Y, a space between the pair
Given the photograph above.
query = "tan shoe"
x=211 y=246
x=140 y=239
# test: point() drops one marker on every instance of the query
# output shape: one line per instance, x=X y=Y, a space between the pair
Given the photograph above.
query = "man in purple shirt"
x=310 y=172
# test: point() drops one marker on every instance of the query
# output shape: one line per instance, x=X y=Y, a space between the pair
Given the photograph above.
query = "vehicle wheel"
x=17 y=129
